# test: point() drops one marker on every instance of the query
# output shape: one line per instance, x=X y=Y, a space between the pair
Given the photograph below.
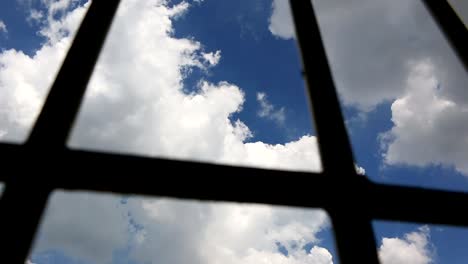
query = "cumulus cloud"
x=84 y=226
x=267 y=110
x=414 y=248
x=377 y=50
x=136 y=102
x=212 y=58
x=428 y=128
x=229 y=233
x=369 y=43
x=144 y=110
x=3 y=28
x=35 y=15
x=24 y=79
x=176 y=231
x=359 y=170
x=281 y=22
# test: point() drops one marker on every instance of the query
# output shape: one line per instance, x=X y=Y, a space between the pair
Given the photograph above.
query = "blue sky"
x=229 y=76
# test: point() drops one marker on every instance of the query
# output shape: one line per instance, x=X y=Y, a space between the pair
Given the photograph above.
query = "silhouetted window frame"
x=31 y=171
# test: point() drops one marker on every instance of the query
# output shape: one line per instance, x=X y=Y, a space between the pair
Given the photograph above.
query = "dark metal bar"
x=451 y=26
x=23 y=202
x=418 y=205
x=335 y=148
x=21 y=206
x=146 y=176
x=141 y=175
x=354 y=233
x=333 y=140
x=62 y=104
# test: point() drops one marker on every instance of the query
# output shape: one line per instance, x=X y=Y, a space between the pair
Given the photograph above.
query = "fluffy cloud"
x=212 y=58
x=360 y=170
x=173 y=231
x=35 y=15
x=137 y=102
x=155 y=115
x=84 y=226
x=370 y=69
x=392 y=51
x=145 y=110
x=281 y=22
x=227 y=233
x=267 y=110
x=3 y=28
x=24 y=79
x=414 y=248
x=429 y=128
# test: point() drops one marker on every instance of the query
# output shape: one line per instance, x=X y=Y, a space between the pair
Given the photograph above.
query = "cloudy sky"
x=220 y=81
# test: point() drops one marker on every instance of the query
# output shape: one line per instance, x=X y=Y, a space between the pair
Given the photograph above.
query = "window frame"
x=33 y=170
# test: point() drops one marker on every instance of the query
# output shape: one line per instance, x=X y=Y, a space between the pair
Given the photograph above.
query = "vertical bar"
x=22 y=202
x=354 y=234
x=452 y=27
x=335 y=150
x=60 y=109
x=355 y=238
x=21 y=207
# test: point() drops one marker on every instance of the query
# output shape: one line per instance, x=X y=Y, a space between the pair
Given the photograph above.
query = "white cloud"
x=369 y=42
x=83 y=226
x=136 y=103
x=24 y=80
x=174 y=231
x=226 y=233
x=359 y=170
x=212 y=58
x=414 y=248
x=35 y=15
x=428 y=128
x=377 y=50
x=3 y=27
x=281 y=22
x=154 y=115
x=146 y=109
x=267 y=110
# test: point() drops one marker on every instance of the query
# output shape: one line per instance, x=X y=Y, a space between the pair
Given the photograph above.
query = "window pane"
x=420 y=243
x=199 y=80
x=91 y=228
x=1 y=188
x=402 y=89
x=34 y=39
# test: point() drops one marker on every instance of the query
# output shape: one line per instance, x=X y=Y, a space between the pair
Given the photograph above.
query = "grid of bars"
x=33 y=170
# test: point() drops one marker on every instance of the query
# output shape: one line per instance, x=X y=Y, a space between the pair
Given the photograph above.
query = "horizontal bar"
x=73 y=169
x=419 y=205
x=83 y=170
